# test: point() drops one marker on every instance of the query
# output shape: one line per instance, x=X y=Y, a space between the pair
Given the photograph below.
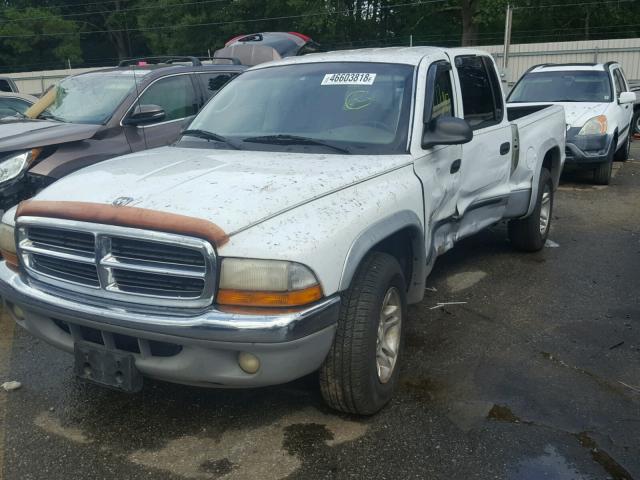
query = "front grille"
x=156 y=252
x=125 y=264
x=62 y=239
x=151 y=283
x=83 y=273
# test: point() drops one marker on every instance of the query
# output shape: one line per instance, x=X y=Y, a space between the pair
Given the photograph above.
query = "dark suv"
x=91 y=117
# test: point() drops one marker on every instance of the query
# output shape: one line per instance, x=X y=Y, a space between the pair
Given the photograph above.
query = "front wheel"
x=530 y=234
x=361 y=370
x=622 y=155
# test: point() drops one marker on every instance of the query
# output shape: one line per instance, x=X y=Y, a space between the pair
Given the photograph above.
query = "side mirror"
x=627 y=97
x=446 y=131
x=145 y=114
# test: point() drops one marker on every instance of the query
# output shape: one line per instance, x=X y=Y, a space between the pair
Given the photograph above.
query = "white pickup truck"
x=288 y=229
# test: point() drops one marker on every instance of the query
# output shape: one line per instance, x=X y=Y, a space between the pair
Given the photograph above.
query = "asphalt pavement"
x=536 y=375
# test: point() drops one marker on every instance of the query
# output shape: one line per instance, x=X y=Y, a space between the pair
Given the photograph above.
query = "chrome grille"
x=126 y=264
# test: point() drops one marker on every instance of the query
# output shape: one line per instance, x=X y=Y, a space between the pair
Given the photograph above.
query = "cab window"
x=481 y=95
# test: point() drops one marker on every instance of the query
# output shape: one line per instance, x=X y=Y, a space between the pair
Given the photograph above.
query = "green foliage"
x=24 y=39
x=125 y=28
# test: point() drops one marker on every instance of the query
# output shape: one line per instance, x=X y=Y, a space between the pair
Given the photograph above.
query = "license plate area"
x=97 y=364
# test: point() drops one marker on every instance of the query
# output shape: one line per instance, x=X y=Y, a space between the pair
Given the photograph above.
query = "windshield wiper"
x=293 y=140
x=50 y=116
x=196 y=132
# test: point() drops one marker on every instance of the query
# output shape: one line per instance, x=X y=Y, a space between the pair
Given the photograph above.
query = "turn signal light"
x=269 y=299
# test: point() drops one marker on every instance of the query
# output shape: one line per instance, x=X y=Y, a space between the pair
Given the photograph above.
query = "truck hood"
x=233 y=189
x=23 y=134
x=576 y=113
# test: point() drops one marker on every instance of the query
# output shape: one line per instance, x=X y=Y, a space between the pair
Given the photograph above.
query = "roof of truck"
x=406 y=55
x=570 y=67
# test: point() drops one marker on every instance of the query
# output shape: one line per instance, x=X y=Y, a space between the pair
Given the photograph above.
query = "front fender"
x=377 y=232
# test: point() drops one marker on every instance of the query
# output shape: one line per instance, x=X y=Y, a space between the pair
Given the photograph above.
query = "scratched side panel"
x=321 y=233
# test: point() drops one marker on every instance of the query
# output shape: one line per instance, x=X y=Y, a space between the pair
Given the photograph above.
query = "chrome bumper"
x=289 y=345
x=209 y=324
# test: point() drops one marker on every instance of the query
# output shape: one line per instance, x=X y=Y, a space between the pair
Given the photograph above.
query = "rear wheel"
x=361 y=370
x=530 y=234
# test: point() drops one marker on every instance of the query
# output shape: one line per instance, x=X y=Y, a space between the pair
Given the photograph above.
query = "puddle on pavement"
x=551 y=466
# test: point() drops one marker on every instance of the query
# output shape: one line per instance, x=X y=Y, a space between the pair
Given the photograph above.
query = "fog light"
x=18 y=312
x=248 y=362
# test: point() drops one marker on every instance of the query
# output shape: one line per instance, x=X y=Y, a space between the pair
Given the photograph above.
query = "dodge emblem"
x=122 y=201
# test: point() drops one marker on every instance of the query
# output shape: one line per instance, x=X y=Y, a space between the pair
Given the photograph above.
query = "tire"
x=530 y=234
x=602 y=173
x=622 y=155
x=349 y=378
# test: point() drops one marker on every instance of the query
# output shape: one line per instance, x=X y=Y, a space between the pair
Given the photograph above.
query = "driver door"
x=177 y=97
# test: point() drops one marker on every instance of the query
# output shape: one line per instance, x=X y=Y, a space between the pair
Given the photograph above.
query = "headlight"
x=8 y=244
x=266 y=283
x=12 y=167
x=595 y=126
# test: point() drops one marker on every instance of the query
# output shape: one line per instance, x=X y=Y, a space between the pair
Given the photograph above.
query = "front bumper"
x=587 y=150
x=198 y=349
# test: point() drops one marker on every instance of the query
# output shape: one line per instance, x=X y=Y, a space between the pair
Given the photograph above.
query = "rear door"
x=176 y=94
x=486 y=160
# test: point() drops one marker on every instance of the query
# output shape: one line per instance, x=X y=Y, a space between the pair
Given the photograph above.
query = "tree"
x=36 y=36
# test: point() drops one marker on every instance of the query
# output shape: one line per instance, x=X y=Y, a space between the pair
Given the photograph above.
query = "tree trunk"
x=469 y=26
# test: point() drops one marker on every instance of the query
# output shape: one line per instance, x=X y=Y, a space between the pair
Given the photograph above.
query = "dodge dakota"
x=288 y=228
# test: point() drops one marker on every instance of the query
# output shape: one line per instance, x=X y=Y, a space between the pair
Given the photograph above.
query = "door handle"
x=455 y=166
x=504 y=148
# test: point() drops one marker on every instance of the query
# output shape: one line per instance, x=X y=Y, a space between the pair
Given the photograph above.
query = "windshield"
x=90 y=98
x=563 y=86
x=320 y=107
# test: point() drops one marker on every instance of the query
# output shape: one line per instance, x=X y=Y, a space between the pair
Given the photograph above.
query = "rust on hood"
x=132 y=217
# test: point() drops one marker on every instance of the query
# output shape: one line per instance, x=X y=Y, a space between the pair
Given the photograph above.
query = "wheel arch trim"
x=378 y=232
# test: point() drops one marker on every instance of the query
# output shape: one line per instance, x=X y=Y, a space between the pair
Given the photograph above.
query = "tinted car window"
x=5 y=86
x=11 y=106
x=563 y=86
x=174 y=94
x=477 y=92
x=212 y=82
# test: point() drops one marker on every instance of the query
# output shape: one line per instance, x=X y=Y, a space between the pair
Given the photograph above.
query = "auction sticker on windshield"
x=349 y=79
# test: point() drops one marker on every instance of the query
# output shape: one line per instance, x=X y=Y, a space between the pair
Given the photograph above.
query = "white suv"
x=598 y=107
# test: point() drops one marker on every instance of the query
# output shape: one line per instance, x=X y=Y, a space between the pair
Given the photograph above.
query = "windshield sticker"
x=349 y=79
x=357 y=100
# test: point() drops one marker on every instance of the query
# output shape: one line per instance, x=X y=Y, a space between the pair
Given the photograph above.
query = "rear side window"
x=5 y=86
x=481 y=95
x=175 y=95
x=212 y=82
